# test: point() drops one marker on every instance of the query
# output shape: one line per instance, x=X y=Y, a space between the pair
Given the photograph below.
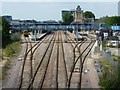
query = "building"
x=88 y=19
x=78 y=15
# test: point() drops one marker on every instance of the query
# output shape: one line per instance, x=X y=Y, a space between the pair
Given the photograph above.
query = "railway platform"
x=37 y=36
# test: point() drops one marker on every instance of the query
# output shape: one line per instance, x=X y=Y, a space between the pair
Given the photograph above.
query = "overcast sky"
x=52 y=10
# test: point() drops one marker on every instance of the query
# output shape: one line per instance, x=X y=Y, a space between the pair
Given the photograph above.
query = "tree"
x=88 y=14
x=110 y=20
x=5 y=33
x=67 y=18
x=114 y=20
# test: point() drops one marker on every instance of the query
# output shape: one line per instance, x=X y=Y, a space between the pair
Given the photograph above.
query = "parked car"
x=113 y=41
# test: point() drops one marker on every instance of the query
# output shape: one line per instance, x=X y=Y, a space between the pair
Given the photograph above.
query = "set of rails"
x=27 y=66
x=55 y=41
x=79 y=58
x=54 y=46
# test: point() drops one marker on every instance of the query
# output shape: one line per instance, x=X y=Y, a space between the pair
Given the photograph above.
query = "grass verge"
x=8 y=53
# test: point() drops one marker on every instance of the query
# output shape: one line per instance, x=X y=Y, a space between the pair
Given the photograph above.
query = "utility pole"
x=76 y=32
x=35 y=32
x=35 y=35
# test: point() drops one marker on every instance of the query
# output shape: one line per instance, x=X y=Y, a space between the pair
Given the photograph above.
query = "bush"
x=109 y=79
x=8 y=51
x=15 y=37
x=116 y=58
x=11 y=49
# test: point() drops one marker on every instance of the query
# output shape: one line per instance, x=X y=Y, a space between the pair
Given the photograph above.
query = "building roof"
x=78 y=8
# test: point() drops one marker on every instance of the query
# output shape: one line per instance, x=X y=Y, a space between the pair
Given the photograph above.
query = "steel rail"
x=81 y=67
x=64 y=59
x=31 y=57
x=46 y=68
x=34 y=75
x=21 y=77
x=75 y=64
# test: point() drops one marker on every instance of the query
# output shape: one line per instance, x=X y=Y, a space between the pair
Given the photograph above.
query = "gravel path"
x=12 y=74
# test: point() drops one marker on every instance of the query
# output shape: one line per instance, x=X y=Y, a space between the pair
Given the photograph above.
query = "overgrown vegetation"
x=10 y=45
x=109 y=77
x=7 y=54
x=11 y=49
x=116 y=58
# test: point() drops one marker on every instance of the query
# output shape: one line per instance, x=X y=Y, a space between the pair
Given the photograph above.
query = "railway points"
x=56 y=60
x=53 y=68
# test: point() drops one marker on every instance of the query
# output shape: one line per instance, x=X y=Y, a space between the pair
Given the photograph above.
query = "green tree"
x=67 y=18
x=114 y=20
x=89 y=14
x=110 y=20
x=5 y=33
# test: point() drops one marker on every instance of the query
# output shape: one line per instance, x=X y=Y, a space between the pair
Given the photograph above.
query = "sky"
x=51 y=9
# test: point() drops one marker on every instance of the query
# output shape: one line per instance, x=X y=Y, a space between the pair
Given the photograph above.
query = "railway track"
x=47 y=64
x=76 y=53
x=60 y=65
x=27 y=67
x=61 y=69
x=83 y=55
x=76 y=48
x=51 y=70
x=43 y=65
x=82 y=63
x=57 y=61
x=24 y=63
x=63 y=63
